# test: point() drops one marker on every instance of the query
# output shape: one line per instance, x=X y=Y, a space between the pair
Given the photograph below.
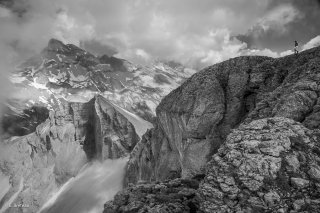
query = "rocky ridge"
x=270 y=160
x=195 y=118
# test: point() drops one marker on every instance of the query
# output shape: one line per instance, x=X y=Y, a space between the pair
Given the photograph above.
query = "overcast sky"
x=196 y=33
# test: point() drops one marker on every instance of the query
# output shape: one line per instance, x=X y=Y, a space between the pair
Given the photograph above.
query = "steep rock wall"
x=115 y=134
x=196 y=117
x=269 y=162
x=193 y=121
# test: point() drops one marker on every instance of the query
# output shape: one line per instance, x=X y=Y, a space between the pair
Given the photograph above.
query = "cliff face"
x=115 y=135
x=74 y=134
x=269 y=162
x=197 y=116
x=194 y=120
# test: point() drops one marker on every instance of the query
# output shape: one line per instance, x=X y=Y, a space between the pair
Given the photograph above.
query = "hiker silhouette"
x=296 y=47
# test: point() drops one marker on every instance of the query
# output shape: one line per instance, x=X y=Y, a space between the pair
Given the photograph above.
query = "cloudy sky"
x=196 y=33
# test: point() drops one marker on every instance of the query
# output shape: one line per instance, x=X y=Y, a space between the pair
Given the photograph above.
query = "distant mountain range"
x=67 y=73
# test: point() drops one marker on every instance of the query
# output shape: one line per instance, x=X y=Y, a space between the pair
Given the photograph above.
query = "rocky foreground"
x=239 y=136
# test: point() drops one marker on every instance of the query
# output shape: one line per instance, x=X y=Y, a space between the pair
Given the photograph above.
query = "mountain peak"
x=55 y=44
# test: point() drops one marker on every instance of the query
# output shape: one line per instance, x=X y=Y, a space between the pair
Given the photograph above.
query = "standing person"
x=296 y=47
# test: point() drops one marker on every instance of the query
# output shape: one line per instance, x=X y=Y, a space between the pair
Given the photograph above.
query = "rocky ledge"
x=177 y=195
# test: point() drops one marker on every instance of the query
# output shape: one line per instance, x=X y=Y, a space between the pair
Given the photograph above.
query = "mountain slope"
x=68 y=73
x=262 y=114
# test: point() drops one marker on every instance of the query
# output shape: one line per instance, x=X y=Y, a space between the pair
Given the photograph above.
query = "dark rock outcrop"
x=19 y=124
x=289 y=88
x=173 y=196
x=269 y=165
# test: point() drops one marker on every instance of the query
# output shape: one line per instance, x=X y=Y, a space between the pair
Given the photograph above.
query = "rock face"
x=73 y=134
x=289 y=87
x=115 y=135
x=152 y=159
x=248 y=126
x=194 y=120
x=174 y=196
x=269 y=165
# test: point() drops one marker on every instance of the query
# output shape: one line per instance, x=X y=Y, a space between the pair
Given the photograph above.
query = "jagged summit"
x=65 y=72
x=55 y=45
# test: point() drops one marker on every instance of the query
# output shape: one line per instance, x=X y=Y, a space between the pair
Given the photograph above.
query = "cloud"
x=180 y=29
x=273 y=25
x=312 y=43
x=97 y=48
x=278 y=19
x=284 y=22
x=195 y=33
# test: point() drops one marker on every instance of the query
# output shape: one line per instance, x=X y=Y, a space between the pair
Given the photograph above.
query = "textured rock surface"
x=173 y=196
x=27 y=163
x=152 y=159
x=60 y=147
x=289 y=87
x=269 y=162
x=96 y=125
x=269 y=165
x=194 y=120
x=115 y=136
